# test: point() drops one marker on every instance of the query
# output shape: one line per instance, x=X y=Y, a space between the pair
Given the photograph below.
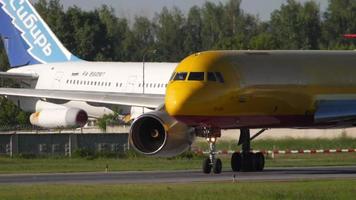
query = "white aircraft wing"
x=129 y=99
x=18 y=76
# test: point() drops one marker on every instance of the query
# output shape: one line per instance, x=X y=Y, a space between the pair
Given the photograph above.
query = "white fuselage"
x=113 y=77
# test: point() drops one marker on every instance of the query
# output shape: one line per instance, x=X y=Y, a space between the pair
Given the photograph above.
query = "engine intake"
x=158 y=134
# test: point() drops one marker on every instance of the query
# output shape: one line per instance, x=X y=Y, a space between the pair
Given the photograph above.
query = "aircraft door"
x=130 y=85
x=57 y=80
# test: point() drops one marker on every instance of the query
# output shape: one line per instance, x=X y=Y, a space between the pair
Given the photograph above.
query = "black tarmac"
x=270 y=174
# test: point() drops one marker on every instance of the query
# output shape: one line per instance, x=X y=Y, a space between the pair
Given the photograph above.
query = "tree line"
x=101 y=35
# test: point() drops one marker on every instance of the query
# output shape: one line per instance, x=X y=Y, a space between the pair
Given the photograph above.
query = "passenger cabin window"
x=211 y=77
x=219 y=77
x=196 y=76
x=181 y=76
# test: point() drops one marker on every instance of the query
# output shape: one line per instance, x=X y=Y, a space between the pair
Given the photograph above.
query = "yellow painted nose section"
x=181 y=98
x=197 y=98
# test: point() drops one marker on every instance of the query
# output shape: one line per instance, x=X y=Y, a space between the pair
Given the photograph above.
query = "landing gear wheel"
x=217 y=166
x=236 y=162
x=211 y=135
x=206 y=166
x=252 y=162
x=248 y=162
x=260 y=161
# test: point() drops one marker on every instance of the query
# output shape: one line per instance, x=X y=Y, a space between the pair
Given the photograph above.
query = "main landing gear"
x=247 y=160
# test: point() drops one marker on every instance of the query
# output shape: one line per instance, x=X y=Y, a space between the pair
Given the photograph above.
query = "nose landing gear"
x=211 y=162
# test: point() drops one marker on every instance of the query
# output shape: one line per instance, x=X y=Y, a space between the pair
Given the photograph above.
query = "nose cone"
x=180 y=98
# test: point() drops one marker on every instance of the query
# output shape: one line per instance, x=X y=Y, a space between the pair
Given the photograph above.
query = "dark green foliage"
x=26 y=156
x=4 y=64
x=170 y=35
x=339 y=19
x=83 y=153
x=108 y=120
x=11 y=116
x=139 y=41
x=296 y=25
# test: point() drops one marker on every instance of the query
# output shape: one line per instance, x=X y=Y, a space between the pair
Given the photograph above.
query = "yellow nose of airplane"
x=195 y=88
x=181 y=99
x=174 y=101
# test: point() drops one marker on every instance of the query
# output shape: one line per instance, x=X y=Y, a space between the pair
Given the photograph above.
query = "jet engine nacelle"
x=59 y=118
x=157 y=134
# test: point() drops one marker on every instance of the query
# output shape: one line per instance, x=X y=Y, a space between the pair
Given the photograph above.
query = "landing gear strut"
x=247 y=161
x=211 y=163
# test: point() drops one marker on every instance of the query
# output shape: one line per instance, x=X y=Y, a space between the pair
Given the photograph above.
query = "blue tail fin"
x=27 y=38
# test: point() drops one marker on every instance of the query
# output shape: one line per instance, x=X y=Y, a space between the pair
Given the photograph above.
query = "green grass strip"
x=328 y=189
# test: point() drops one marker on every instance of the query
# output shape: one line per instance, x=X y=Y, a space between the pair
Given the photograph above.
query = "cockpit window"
x=211 y=77
x=172 y=76
x=181 y=76
x=196 y=76
x=219 y=77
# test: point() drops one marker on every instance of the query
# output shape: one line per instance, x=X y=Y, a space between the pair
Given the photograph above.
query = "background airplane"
x=63 y=90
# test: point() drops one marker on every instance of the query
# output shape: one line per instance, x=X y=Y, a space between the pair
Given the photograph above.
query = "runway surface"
x=270 y=174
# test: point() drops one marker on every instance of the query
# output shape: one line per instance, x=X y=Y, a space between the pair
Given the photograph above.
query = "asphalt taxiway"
x=270 y=174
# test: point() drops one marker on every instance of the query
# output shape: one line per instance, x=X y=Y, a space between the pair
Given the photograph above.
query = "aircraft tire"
x=248 y=162
x=236 y=162
x=260 y=161
x=217 y=167
x=206 y=166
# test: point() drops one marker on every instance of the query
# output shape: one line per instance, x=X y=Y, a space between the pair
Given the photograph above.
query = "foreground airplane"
x=208 y=91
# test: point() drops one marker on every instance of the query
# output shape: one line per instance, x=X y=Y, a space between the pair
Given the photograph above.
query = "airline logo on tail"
x=42 y=44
